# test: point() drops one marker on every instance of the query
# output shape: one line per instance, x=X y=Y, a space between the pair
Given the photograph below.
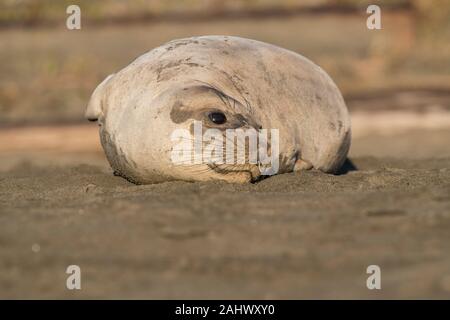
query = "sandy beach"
x=297 y=235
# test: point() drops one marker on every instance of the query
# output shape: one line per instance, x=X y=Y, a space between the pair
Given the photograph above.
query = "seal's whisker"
x=227 y=154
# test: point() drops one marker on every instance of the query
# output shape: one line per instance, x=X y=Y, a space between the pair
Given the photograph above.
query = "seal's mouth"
x=231 y=169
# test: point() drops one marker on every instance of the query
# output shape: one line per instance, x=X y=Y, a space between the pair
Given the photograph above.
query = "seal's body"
x=242 y=83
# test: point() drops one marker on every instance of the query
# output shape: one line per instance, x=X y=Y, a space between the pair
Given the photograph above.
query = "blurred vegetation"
x=35 y=12
x=432 y=14
x=48 y=72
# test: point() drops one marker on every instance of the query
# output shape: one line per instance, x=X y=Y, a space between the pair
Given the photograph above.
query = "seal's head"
x=171 y=114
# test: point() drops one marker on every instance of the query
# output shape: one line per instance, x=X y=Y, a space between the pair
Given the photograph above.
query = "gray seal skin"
x=254 y=84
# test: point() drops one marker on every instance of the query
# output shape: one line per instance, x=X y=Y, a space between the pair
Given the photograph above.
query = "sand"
x=298 y=235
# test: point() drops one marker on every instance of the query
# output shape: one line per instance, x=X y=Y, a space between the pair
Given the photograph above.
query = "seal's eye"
x=217 y=117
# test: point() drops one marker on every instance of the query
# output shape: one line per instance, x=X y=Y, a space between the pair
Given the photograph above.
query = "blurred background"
x=306 y=235
x=396 y=81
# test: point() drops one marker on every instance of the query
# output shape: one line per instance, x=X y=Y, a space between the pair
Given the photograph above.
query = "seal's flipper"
x=301 y=165
x=95 y=107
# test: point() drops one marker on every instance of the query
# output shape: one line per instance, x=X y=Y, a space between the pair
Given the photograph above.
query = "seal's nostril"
x=93 y=119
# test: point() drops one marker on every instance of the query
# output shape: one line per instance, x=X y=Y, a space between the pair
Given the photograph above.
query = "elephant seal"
x=222 y=83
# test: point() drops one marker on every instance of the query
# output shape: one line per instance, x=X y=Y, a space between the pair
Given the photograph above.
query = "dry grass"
x=47 y=75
